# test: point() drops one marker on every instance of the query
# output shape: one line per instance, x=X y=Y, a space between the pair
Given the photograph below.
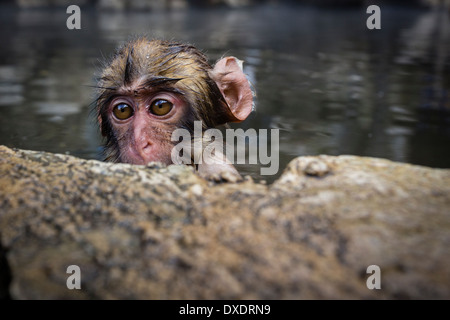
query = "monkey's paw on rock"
x=150 y=232
x=227 y=174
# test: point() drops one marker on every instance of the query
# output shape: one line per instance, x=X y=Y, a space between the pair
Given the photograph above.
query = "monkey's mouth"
x=133 y=156
x=142 y=156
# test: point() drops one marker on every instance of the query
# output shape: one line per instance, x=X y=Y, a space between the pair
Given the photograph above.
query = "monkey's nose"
x=144 y=147
x=143 y=138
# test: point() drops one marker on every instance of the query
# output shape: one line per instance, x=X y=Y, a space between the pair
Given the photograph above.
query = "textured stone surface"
x=154 y=232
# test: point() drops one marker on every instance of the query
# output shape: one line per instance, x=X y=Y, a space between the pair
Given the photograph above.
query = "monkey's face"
x=143 y=124
x=151 y=88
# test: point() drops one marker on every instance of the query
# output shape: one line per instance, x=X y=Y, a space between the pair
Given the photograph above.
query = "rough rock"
x=155 y=232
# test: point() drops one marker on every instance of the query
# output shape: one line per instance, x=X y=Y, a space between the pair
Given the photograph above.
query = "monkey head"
x=152 y=87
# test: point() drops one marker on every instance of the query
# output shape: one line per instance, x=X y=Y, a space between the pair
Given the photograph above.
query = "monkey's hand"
x=223 y=172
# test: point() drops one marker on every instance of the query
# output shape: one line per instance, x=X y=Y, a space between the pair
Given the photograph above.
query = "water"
x=327 y=82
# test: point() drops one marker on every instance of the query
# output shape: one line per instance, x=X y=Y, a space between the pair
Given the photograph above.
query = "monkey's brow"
x=155 y=81
x=143 y=90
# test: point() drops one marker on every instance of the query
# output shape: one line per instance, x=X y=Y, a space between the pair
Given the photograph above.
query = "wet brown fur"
x=168 y=66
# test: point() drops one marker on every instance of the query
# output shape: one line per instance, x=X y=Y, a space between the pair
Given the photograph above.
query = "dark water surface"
x=327 y=82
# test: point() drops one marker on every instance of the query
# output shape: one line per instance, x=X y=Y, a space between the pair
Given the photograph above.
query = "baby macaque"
x=152 y=87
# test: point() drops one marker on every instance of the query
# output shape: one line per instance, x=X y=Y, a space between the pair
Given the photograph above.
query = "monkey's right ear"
x=235 y=88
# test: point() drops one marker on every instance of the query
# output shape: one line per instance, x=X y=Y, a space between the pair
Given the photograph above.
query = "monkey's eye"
x=160 y=107
x=122 y=111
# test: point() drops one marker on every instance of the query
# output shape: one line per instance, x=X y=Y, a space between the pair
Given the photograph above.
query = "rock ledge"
x=154 y=232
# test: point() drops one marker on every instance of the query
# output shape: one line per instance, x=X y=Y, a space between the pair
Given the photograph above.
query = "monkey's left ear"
x=235 y=88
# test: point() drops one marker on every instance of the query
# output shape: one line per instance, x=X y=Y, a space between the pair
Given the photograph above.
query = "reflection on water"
x=330 y=85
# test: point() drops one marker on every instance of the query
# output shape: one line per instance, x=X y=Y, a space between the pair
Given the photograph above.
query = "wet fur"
x=168 y=66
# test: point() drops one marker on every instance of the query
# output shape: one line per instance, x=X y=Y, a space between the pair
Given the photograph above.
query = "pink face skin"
x=142 y=135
